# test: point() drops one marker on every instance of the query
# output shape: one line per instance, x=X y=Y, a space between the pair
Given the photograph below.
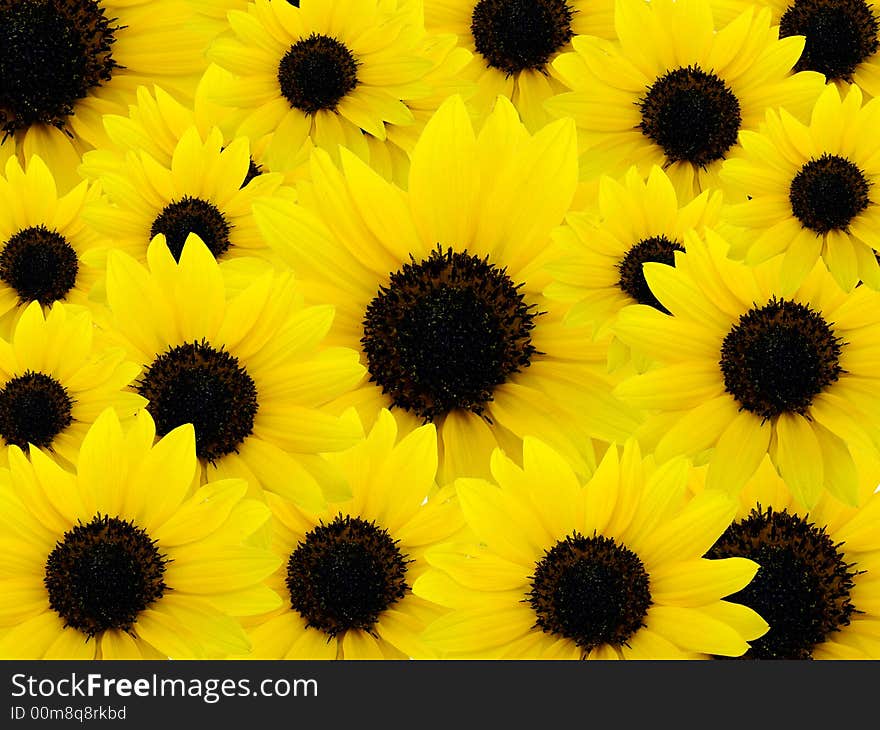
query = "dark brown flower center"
x=827 y=193
x=207 y=387
x=590 y=590
x=519 y=35
x=445 y=332
x=52 y=53
x=840 y=35
x=34 y=409
x=345 y=574
x=317 y=73
x=39 y=264
x=658 y=249
x=103 y=574
x=192 y=215
x=779 y=357
x=802 y=588
x=692 y=114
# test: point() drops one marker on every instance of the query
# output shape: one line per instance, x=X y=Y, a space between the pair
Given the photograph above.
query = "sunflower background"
x=418 y=329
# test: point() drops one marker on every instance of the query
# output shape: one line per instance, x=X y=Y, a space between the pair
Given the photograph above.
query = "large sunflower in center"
x=676 y=90
x=440 y=287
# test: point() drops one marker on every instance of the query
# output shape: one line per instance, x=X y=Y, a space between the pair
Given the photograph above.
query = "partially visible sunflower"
x=812 y=190
x=64 y=63
x=124 y=559
x=749 y=365
x=514 y=43
x=205 y=190
x=677 y=89
x=43 y=241
x=367 y=78
x=440 y=287
x=610 y=569
x=348 y=571
x=250 y=371
x=55 y=380
x=819 y=582
x=155 y=125
x=842 y=37
x=602 y=249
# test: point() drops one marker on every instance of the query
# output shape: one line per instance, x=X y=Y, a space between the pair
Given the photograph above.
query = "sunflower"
x=749 y=366
x=819 y=581
x=204 y=190
x=43 y=241
x=367 y=78
x=514 y=43
x=156 y=124
x=675 y=92
x=842 y=36
x=249 y=371
x=55 y=380
x=812 y=190
x=362 y=607
x=123 y=559
x=610 y=569
x=602 y=249
x=440 y=287
x=64 y=63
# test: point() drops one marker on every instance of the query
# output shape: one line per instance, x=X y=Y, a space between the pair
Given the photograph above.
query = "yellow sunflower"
x=514 y=43
x=249 y=371
x=204 y=190
x=812 y=190
x=841 y=36
x=64 y=63
x=366 y=76
x=158 y=121
x=610 y=569
x=440 y=287
x=603 y=248
x=750 y=366
x=55 y=380
x=676 y=91
x=124 y=559
x=819 y=582
x=348 y=571
x=43 y=241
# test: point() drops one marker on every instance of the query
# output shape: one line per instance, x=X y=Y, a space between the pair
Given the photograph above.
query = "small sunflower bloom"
x=249 y=369
x=748 y=365
x=603 y=248
x=123 y=558
x=45 y=243
x=207 y=189
x=55 y=380
x=812 y=189
x=675 y=89
x=608 y=569
x=367 y=78
x=348 y=571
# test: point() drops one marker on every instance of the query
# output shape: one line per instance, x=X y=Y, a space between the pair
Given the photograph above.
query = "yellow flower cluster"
x=388 y=329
